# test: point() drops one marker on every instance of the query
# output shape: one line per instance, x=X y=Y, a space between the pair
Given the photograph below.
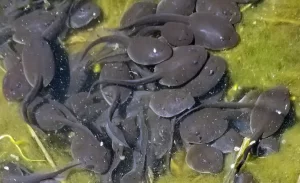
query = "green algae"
x=266 y=56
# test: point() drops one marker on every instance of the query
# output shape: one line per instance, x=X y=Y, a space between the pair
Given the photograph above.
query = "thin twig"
x=41 y=146
x=246 y=7
x=279 y=20
x=2 y=69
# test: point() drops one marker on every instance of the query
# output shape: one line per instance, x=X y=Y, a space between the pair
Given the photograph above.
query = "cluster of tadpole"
x=160 y=89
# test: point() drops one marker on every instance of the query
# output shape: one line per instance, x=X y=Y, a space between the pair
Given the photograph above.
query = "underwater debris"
x=41 y=146
x=11 y=139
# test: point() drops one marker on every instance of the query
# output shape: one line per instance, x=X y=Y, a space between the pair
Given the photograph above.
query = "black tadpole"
x=230 y=105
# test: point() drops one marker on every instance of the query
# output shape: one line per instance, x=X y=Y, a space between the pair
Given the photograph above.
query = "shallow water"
x=267 y=56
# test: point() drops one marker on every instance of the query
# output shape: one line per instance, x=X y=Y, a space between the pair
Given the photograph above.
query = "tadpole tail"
x=107 y=177
x=147 y=30
x=142 y=143
x=156 y=19
x=38 y=84
x=105 y=50
x=139 y=154
x=115 y=103
x=169 y=152
x=106 y=39
x=137 y=168
x=120 y=57
x=112 y=130
x=132 y=83
x=60 y=171
x=141 y=71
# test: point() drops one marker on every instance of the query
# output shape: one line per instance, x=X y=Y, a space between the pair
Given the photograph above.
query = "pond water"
x=266 y=56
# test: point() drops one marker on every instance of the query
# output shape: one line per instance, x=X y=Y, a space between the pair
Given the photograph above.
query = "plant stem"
x=41 y=146
x=246 y=7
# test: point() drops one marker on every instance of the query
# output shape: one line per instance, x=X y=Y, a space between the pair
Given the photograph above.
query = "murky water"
x=267 y=56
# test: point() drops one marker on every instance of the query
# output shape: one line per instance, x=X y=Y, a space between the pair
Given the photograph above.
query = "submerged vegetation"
x=267 y=56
